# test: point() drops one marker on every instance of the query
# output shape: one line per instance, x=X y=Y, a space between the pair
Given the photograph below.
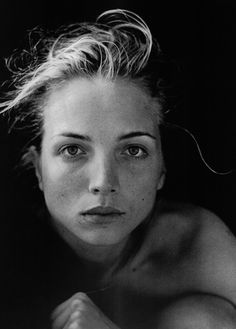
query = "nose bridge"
x=104 y=175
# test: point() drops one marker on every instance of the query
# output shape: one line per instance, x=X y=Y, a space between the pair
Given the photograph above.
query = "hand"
x=79 y=312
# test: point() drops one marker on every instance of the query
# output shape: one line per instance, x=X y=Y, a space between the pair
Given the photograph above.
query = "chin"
x=103 y=237
x=97 y=235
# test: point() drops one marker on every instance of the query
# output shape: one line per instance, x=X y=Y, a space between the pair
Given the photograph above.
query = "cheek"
x=62 y=189
x=140 y=185
x=144 y=177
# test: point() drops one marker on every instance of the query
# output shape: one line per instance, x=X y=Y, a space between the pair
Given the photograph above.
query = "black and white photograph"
x=118 y=149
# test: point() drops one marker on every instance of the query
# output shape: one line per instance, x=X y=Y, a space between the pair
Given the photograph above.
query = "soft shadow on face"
x=101 y=161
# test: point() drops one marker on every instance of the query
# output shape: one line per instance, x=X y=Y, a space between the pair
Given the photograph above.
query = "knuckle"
x=78 y=300
x=78 y=305
x=80 y=296
x=75 y=315
x=73 y=325
x=83 y=295
x=75 y=303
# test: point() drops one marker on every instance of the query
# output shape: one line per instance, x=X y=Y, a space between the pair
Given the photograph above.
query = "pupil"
x=134 y=150
x=72 y=150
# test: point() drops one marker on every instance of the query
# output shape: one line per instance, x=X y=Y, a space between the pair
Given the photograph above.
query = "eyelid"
x=143 y=148
x=63 y=148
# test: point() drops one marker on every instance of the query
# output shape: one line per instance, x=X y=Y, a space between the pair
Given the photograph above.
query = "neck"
x=105 y=259
x=100 y=258
x=98 y=255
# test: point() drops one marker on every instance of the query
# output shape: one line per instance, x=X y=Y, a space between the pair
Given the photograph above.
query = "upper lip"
x=102 y=211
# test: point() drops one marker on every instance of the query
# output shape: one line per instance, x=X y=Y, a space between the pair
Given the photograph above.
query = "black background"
x=200 y=39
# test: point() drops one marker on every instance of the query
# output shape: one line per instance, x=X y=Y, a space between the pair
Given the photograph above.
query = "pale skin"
x=101 y=147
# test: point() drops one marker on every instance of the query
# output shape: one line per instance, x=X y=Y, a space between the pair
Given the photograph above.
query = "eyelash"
x=144 y=152
x=64 y=149
x=70 y=156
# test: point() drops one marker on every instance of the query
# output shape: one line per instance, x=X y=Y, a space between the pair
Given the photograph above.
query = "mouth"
x=103 y=212
x=101 y=216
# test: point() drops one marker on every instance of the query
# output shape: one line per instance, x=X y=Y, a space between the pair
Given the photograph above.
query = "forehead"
x=97 y=104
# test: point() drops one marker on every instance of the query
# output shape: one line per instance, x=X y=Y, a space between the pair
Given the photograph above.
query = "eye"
x=71 y=151
x=136 y=151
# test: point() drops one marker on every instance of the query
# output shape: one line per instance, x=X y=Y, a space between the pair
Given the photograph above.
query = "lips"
x=102 y=211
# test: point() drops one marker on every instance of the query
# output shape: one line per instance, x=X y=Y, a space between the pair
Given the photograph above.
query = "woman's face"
x=101 y=163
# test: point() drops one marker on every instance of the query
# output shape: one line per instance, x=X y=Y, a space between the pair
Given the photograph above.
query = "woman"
x=138 y=261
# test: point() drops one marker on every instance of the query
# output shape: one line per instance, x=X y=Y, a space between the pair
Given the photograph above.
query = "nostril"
x=97 y=190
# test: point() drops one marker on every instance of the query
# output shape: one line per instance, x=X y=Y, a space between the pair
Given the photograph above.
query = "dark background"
x=199 y=39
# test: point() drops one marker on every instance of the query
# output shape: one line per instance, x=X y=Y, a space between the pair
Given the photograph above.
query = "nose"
x=104 y=177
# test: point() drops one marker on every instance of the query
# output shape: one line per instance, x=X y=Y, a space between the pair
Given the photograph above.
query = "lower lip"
x=99 y=219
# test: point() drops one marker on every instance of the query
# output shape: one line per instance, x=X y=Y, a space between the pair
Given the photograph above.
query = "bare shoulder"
x=202 y=246
x=214 y=256
x=177 y=221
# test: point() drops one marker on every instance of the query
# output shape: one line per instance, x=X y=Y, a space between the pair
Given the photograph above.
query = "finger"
x=68 y=303
x=73 y=325
x=80 y=313
x=62 y=318
x=73 y=322
x=63 y=312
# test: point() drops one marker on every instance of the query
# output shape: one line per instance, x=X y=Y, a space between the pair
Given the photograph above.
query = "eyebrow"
x=77 y=136
x=126 y=136
x=137 y=134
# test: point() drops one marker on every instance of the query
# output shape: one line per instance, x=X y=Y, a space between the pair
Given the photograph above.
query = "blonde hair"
x=118 y=44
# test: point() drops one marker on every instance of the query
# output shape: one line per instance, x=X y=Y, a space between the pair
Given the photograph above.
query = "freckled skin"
x=104 y=111
x=185 y=251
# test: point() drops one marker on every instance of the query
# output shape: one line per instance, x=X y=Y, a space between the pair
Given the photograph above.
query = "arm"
x=198 y=311
x=214 y=268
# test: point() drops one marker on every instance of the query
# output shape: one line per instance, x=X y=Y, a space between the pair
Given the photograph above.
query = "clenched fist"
x=79 y=312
